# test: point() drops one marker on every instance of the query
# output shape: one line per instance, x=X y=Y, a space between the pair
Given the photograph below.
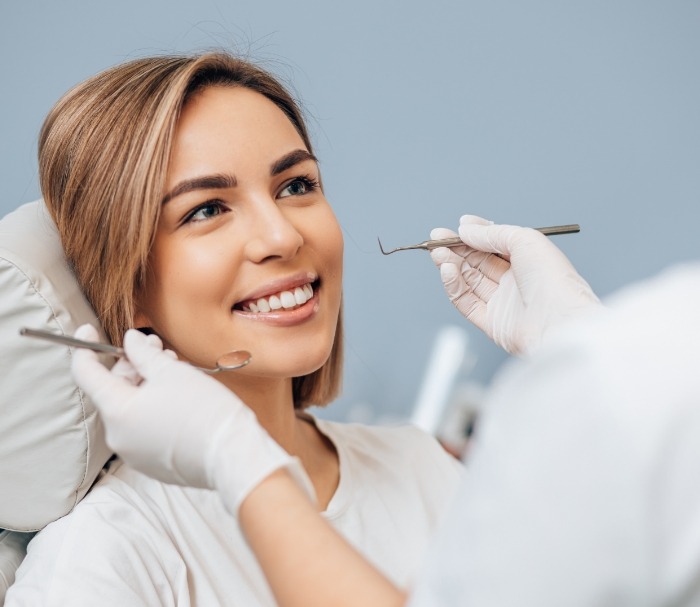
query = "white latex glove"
x=176 y=424
x=513 y=283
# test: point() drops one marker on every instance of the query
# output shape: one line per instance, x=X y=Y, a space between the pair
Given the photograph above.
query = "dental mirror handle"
x=228 y=362
x=66 y=340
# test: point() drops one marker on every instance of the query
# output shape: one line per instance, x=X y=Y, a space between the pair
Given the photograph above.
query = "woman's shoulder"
x=112 y=518
x=120 y=494
x=108 y=540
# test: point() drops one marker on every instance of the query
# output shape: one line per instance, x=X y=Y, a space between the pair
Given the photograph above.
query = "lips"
x=280 y=296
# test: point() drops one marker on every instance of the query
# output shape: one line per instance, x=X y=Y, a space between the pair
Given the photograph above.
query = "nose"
x=272 y=234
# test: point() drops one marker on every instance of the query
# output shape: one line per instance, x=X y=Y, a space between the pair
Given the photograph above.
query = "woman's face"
x=247 y=253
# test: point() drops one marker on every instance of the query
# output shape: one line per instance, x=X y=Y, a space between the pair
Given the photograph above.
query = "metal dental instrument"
x=456 y=241
x=227 y=362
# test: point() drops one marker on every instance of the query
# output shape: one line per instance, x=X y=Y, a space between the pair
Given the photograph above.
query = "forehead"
x=231 y=110
x=229 y=129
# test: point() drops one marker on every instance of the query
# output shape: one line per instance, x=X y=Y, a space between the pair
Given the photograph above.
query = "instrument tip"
x=381 y=248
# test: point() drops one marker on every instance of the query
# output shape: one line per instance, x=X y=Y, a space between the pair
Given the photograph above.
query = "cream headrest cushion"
x=51 y=440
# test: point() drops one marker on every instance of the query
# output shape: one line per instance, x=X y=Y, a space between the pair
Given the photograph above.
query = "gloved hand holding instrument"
x=513 y=283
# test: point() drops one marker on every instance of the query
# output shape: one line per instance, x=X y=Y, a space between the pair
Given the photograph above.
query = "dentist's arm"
x=306 y=562
x=513 y=283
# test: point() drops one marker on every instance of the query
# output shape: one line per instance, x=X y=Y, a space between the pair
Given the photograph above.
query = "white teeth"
x=300 y=296
x=275 y=303
x=287 y=299
x=284 y=300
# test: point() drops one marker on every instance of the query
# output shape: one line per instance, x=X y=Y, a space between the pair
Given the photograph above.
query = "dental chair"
x=52 y=446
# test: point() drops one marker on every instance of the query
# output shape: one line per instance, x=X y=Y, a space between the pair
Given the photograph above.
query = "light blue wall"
x=533 y=113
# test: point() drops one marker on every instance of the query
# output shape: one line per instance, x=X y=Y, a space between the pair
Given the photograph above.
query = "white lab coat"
x=583 y=486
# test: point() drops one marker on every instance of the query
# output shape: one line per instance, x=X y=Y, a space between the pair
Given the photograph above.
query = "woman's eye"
x=204 y=211
x=299 y=187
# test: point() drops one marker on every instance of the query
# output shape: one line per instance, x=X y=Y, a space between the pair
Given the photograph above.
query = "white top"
x=584 y=487
x=136 y=541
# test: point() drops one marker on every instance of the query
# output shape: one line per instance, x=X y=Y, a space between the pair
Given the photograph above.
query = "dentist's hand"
x=174 y=423
x=513 y=283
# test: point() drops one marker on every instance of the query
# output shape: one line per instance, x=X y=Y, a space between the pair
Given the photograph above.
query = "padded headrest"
x=51 y=440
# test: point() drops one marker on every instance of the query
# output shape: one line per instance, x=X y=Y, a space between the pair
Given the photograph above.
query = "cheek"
x=329 y=238
x=183 y=279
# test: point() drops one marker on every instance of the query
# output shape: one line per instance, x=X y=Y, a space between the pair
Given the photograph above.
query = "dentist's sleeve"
x=582 y=487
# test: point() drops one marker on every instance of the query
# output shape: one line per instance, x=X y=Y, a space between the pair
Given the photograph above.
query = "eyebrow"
x=209 y=182
x=289 y=160
x=221 y=181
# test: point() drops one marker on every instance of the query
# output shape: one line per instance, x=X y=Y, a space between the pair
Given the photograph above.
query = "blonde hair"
x=104 y=150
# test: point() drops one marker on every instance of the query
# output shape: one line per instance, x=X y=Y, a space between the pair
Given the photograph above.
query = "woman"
x=190 y=204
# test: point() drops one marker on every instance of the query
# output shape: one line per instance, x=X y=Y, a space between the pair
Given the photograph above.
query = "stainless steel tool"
x=227 y=362
x=455 y=241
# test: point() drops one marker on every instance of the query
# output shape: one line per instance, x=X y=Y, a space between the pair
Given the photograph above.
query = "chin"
x=289 y=365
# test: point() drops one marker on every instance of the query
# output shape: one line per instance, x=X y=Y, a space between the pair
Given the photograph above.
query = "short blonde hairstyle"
x=104 y=151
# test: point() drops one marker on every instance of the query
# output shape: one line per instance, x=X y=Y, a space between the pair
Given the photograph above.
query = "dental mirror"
x=231 y=361
x=227 y=362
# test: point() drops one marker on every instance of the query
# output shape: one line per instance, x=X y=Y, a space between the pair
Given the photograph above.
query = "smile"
x=282 y=301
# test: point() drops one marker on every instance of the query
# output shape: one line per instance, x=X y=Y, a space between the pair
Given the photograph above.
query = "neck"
x=271 y=400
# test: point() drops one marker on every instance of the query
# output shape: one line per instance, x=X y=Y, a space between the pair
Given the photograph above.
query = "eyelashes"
x=298 y=186
x=305 y=182
x=206 y=210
